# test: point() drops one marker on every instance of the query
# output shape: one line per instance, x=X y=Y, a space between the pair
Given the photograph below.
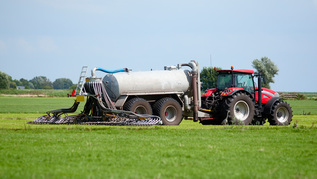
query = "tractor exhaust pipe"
x=260 y=91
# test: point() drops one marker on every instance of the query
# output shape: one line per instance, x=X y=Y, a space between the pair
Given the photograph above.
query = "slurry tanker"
x=124 y=97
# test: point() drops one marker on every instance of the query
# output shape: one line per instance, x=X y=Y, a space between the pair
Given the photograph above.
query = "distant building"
x=20 y=87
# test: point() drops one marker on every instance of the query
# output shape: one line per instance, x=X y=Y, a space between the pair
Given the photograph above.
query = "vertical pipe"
x=260 y=91
x=195 y=86
x=195 y=95
x=232 y=76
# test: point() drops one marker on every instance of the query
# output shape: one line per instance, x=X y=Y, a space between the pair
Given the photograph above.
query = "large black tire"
x=239 y=109
x=169 y=110
x=280 y=114
x=138 y=105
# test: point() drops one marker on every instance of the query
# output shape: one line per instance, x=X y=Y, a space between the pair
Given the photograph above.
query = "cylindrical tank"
x=147 y=83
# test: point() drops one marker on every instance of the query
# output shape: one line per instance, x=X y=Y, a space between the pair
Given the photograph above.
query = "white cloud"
x=47 y=44
x=25 y=45
x=36 y=45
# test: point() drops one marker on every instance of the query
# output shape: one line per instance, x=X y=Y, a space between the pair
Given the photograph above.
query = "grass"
x=36 y=92
x=189 y=150
x=34 y=104
x=309 y=94
x=186 y=151
x=303 y=107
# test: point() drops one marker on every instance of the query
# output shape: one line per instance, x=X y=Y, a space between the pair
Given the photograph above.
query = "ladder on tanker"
x=81 y=81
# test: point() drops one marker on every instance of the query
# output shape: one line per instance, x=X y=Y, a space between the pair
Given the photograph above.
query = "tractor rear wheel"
x=240 y=109
x=169 y=110
x=138 y=105
x=280 y=114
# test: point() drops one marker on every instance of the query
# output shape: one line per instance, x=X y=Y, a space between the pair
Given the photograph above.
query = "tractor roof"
x=237 y=71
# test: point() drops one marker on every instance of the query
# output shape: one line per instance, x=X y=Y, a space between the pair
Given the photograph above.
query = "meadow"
x=37 y=92
x=189 y=150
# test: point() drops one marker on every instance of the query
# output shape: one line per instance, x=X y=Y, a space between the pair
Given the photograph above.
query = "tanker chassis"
x=168 y=96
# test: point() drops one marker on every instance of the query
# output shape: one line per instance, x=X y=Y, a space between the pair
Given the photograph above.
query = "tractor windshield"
x=245 y=81
x=224 y=81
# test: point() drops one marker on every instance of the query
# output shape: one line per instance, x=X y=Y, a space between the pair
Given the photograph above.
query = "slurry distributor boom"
x=98 y=110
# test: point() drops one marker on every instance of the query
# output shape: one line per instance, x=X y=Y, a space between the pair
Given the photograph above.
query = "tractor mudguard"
x=238 y=90
x=269 y=104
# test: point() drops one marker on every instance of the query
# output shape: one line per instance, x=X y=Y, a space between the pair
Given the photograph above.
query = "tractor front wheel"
x=240 y=109
x=280 y=114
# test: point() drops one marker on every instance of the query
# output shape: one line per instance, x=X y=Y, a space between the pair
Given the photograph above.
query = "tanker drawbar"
x=98 y=109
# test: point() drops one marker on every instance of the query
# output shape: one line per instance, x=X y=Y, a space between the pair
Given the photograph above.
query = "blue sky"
x=56 y=38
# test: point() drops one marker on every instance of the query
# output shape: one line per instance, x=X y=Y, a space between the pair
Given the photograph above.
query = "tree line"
x=38 y=82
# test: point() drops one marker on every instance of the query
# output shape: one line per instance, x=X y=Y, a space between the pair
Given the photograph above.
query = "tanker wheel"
x=281 y=114
x=240 y=109
x=169 y=110
x=138 y=105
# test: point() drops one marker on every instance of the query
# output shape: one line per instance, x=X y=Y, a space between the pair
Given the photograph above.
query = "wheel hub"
x=241 y=110
x=282 y=114
x=170 y=113
x=140 y=110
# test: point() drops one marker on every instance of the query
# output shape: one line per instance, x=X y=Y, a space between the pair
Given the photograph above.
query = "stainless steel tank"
x=148 y=83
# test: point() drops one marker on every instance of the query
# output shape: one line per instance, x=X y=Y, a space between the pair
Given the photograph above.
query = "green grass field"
x=37 y=92
x=189 y=150
x=34 y=105
x=303 y=107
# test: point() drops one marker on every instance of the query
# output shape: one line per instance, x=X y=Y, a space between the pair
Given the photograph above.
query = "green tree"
x=73 y=87
x=208 y=77
x=30 y=86
x=26 y=83
x=41 y=82
x=267 y=68
x=13 y=85
x=62 y=83
x=18 y=83
x=5 y=80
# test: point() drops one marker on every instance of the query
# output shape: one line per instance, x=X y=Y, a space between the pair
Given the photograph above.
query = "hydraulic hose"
x=108 y=71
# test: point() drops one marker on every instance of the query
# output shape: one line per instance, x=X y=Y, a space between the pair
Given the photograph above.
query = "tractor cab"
x=232 y=80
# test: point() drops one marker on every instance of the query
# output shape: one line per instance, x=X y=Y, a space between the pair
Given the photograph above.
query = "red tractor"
x=237 y=100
